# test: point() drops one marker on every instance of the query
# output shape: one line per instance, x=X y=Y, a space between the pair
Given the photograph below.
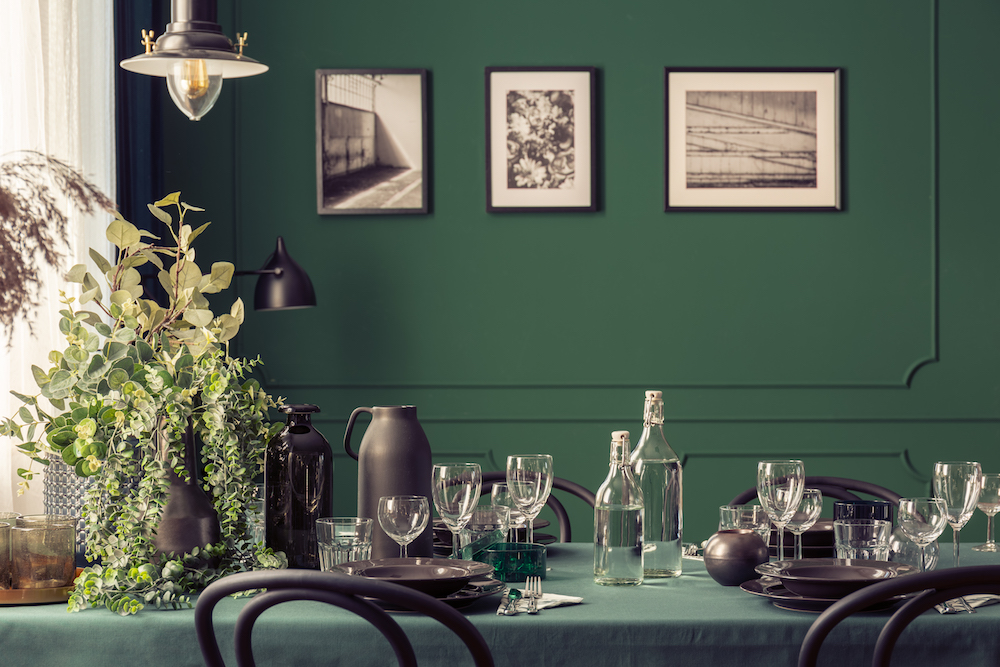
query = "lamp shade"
x=283 y=284
x=194 y=34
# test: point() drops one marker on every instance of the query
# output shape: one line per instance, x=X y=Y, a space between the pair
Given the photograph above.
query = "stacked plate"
x=457 y=582
x=813 y=584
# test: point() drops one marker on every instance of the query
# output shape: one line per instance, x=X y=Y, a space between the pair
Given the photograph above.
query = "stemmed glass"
x=779 y=489
x=500 y=497
x=805 y=516
x=403 y=518
x=989 y=504
x=958 y=483
x=455 y=487
x=922 y=520
x=529 y=479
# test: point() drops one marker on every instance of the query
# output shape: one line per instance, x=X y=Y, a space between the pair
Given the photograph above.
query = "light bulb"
x=195 y=85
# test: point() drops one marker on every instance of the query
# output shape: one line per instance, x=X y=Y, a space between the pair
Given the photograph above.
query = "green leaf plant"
x=133 y=373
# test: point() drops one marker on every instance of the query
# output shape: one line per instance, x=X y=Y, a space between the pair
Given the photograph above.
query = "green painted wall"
x=863 y=341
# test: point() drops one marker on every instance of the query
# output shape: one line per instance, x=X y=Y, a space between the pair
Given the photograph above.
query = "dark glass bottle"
x=298 y=487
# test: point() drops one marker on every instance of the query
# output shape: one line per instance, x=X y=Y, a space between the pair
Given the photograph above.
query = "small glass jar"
x=43 y=550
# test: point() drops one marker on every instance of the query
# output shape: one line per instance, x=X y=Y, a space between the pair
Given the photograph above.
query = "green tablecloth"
x=686 y=621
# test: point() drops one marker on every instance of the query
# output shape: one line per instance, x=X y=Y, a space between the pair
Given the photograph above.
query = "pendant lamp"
x=194 y=56
x=283 y=284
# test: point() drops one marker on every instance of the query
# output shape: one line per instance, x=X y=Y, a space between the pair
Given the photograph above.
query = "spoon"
x=514 y=595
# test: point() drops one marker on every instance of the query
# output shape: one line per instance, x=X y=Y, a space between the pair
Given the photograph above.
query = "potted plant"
x=138 y=385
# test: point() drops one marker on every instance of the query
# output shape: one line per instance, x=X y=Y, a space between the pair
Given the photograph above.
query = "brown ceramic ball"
x=732 y=555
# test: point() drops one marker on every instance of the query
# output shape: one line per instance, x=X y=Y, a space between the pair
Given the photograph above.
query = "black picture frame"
x=752 y=139
x=541 y=139
x=371 y=142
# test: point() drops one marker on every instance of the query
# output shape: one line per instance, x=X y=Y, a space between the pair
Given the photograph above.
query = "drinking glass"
x=455 y=487
x=529 y=479
x=922 y=520
x=805 y=516
x=403 y=518
x=958 y=484
x=750 y=517
x=779 y=489
x=989 y=504
x=342 y=539
x=500 y=497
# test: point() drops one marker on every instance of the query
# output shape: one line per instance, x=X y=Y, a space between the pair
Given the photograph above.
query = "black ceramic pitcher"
x=394 y=459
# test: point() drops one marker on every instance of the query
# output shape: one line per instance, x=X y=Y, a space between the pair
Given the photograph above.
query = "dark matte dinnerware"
x=731 y=556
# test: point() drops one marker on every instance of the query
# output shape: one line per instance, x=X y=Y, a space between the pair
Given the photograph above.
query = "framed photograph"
x=371 y=141
x=541 y=143
x=752 y=139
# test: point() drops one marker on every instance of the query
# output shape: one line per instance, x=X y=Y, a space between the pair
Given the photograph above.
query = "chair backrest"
x=348 y=592
x=565 y=530
x=839 y=488
x=938 y=585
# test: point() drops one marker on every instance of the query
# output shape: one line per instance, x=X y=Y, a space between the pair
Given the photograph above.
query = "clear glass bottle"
x=618 y=512
x=658 y=470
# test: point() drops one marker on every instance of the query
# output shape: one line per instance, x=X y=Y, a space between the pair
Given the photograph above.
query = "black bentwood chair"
x=938 y=586
x=565 y=531
x=838 y=488
x=341 y=590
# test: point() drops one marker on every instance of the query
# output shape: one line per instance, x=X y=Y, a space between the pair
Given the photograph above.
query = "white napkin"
x=547 y=600
x=973 y=600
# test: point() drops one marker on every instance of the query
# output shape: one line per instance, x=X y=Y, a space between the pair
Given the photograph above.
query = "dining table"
x=687 y=620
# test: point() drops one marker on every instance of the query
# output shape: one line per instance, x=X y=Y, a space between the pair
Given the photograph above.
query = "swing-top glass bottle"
x=618 y=521
x=658 y=471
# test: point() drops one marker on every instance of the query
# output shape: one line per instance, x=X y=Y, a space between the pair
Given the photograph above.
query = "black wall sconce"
x=283 y=284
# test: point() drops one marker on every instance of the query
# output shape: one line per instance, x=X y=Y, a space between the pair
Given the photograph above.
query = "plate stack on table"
x=813 y=584
x=457 y=582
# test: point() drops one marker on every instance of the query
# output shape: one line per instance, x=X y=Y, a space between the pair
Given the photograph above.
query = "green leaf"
x=102 y=264
x=160 y=214
x=90 y=295
x=166 y=281
x=238 y=310
x=186 y=274
x=102 y=327
x=145 y=351
x=41 y=378
x=199 y=318
x=115 y=350
x=77 y=273
x=196 y=233
x=116 y=378
x=123 y=233
x=152 y=258
x=25 y=415
x=220 y=278
x=61 y=381
x=124 y=336
x=173 y=199
x=30 y=400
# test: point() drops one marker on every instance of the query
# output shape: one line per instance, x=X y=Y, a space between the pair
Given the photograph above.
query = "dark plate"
x=831 y=578
x=475 y=590
x=773 y=589
x=439 y=577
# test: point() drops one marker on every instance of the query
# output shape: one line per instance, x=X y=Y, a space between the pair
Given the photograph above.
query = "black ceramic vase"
x=189 y=518
x=731 y=556
x=298 y=487
x=394 y=459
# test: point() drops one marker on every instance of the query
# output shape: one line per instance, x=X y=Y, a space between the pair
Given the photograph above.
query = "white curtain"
x=57 y=98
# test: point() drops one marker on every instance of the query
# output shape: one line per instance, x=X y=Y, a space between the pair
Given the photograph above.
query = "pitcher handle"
x=350 y=427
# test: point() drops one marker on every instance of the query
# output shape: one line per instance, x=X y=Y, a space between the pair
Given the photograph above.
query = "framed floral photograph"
x=371 y=141
x=742 y=139
x=541 y=146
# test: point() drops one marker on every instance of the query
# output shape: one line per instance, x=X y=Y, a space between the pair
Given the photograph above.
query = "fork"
x=533 y=591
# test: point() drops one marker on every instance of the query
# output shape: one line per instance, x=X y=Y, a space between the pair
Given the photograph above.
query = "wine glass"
x=455 y=487
x=779 y=489
x=958 y=483
x=922 y=520
x=529 y=479
x=805 y=516
x=403 y=518
x=500 y=497
x=989 y=503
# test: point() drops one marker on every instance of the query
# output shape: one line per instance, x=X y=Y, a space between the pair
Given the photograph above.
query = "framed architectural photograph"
x=371 y=141
x=541 y=143
x=752 y=139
